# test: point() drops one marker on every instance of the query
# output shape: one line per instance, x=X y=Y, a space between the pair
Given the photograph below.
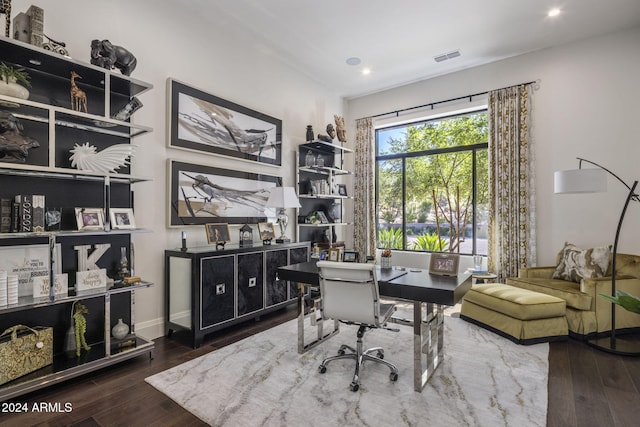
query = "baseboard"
x=151 y=329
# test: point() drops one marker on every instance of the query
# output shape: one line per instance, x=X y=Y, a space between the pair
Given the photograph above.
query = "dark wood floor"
x=586 y=387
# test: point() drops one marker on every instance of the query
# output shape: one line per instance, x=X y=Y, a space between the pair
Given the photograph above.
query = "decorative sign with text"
x=41 y=285
x=91 y=280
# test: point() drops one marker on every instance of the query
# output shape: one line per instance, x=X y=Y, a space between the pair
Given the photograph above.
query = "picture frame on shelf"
x=342 y=189
x=444 y=264
x=90 y=218
x=202 y=122
x=334 y=254
x=350 y=256
x=217 y=233
x=201 y=194
x=266 y=231
x=122 y=219
x=89 y=280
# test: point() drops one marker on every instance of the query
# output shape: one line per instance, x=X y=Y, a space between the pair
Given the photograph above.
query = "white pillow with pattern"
x=577 y=264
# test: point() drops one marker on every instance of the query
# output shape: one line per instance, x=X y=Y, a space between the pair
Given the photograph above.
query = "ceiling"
x=398 y=40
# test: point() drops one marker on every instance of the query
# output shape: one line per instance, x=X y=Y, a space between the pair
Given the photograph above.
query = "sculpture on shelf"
x=331 y=131
x=86 y=157
x=325 y=138
x=81 y=328
x=340 y=129
x=5 y=7
x=55 y=46
x=126 y=111
x=14 y=145
x=107 y=55
x=78 y=96
x=309 y=133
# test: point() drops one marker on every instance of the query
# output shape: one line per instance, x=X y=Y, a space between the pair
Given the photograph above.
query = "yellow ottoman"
x=523 y=316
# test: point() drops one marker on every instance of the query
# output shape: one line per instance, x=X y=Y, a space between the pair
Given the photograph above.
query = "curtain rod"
x=432 y=104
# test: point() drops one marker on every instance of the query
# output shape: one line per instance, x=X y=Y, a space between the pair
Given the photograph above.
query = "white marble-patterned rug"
x=484 y=380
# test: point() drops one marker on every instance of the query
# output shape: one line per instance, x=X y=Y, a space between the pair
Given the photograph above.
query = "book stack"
x=12 y=289
x=28 y=213
x=3 y=288
x=6 y=206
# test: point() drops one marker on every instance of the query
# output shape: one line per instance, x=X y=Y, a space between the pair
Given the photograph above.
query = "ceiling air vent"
x=445 y=56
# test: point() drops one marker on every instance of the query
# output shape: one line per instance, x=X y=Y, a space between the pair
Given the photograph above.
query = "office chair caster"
x=354 y=386
x=322 y=369
x=393 y=376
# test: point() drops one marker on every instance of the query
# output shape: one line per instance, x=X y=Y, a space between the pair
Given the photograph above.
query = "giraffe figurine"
x=78 y=97
x=5 y=7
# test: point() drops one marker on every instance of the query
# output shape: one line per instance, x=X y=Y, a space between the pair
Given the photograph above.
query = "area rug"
x=484 y=380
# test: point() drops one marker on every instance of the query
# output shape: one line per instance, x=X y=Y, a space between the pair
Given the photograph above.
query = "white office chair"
x=349 y=293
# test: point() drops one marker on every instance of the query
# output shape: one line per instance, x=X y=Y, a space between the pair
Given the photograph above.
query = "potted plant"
x=627 y=301
x=14 y=81
x=385 y=258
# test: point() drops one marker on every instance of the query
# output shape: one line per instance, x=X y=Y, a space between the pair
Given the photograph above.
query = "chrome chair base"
x=360 y=357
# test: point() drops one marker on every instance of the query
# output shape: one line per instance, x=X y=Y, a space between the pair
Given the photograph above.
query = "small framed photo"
x=90 y=218
x=266 y=231
x=217 y=233
x=342 y=189
x=350 y=256
x=122 y=218
x=334 y=254
x=444 y=264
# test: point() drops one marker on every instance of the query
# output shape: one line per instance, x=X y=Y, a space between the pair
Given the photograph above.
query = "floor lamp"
x=591 y=181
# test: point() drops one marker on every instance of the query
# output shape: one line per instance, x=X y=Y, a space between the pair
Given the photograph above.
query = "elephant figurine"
x=107 y=55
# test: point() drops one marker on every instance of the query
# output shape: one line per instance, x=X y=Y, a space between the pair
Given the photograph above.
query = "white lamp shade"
x=580 y=181
x=283 y=197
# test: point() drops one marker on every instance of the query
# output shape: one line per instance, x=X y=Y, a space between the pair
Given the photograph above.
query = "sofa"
x=588 y=315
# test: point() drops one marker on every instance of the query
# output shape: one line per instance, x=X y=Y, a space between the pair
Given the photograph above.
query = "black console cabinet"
x=208 y=289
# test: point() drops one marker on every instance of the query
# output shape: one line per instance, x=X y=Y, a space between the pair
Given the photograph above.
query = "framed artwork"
x=200 y=194
x=266 y=231
x=199 y=121
x=350 y=256
x=342 y=189
x=90 y=218
x=89 y=280
x=334 y=254
x=217 y=233
x=444 y=264
x=122 y=218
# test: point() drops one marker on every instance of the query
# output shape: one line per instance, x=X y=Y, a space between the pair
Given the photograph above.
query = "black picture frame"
x=200 y=194
x=217 y=233
x=342 y=190
x=444 y=264
x=199 y=121
x=350 y=256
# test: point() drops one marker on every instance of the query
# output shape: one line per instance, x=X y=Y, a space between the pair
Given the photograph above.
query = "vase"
x=120 y=330
x=13 y=89
x=385 y=262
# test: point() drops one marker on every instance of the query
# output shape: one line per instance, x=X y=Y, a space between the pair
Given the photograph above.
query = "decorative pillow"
x=576 y=264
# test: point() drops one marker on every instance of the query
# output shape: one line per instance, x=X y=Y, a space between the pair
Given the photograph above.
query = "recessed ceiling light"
x=553 y=12
x=366 y=71
x=353 y=60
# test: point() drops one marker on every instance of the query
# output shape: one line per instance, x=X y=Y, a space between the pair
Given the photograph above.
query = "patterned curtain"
x=364 y=189
x=512 y=243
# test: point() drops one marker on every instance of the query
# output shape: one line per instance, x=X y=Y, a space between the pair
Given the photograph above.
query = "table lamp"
x=592 y=181
x=283 y=198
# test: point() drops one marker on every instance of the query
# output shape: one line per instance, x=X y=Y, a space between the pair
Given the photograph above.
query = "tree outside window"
x=432 y=185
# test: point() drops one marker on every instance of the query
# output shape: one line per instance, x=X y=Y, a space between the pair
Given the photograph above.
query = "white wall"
x=170 y=40
x=587 y=106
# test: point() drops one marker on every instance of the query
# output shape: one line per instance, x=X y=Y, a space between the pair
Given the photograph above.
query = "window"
x=432 y=185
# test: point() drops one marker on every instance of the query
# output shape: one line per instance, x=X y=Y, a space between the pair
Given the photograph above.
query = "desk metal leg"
x=316 y=318
x=428 y=340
